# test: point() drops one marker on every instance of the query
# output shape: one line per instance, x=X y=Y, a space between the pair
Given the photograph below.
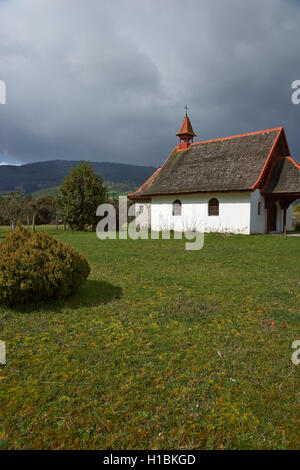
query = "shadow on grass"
x=91 y=294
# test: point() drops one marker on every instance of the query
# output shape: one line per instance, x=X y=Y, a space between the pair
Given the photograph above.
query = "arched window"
x=176 y=207
x=258 y=208
x=213 y=206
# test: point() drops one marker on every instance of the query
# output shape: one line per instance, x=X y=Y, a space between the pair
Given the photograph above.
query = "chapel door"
x=273 y=212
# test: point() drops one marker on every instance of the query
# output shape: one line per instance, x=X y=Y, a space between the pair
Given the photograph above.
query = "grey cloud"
x=107 y=81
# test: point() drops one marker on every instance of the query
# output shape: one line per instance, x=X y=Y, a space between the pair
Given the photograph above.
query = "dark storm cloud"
x=107 y=81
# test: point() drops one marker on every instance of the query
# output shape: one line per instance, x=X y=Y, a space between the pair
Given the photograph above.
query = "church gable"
x=284 y=177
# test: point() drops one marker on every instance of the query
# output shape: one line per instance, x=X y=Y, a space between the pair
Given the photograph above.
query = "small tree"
x=26 y=208
x=115 y=202
x=12 y=208
x=41 y=210
x=33 y=210
x=46 y=209
x=2 y=211
x=81 y=192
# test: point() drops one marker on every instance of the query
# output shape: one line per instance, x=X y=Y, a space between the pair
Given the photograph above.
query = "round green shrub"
x=35 y=266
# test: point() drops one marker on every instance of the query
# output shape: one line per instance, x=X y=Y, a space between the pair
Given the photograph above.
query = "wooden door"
x=272 y=215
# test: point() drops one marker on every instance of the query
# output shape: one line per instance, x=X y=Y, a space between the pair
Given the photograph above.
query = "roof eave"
x=190 y=193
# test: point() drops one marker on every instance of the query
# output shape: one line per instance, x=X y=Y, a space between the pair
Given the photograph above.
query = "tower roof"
x=186 y=128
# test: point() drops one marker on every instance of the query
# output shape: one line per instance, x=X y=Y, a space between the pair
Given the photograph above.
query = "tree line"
x=79 y=195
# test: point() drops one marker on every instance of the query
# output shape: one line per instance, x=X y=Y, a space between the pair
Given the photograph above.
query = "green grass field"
x=161 y=348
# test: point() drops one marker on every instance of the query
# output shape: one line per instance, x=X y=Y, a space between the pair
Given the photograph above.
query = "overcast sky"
x=108 y=80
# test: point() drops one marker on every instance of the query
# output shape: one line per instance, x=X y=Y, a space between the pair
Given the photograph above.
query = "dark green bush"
x=35 y=266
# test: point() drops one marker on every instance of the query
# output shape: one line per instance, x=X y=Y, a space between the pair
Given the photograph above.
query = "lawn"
x=161 y=348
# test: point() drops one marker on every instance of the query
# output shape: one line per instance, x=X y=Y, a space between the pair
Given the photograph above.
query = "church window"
x=213 y=206
x=176 y=207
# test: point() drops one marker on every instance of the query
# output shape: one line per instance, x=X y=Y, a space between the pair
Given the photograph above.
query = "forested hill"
x=33 y=177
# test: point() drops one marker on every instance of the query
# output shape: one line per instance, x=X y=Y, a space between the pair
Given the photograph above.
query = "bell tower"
x=185 y=133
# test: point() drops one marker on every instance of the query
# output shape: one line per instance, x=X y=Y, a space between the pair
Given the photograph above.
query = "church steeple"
x=185 y=133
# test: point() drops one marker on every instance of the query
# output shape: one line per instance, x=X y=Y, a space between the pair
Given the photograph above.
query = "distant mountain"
x=36 y=177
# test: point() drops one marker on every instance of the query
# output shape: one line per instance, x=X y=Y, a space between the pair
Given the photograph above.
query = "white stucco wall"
x=258 y=223
x=234 y=213
x=143 y=214
x=238 y=213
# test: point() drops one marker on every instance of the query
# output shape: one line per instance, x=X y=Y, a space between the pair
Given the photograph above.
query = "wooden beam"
x=284 y=222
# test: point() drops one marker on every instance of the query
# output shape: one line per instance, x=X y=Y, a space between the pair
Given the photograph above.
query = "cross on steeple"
x=186 y=108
